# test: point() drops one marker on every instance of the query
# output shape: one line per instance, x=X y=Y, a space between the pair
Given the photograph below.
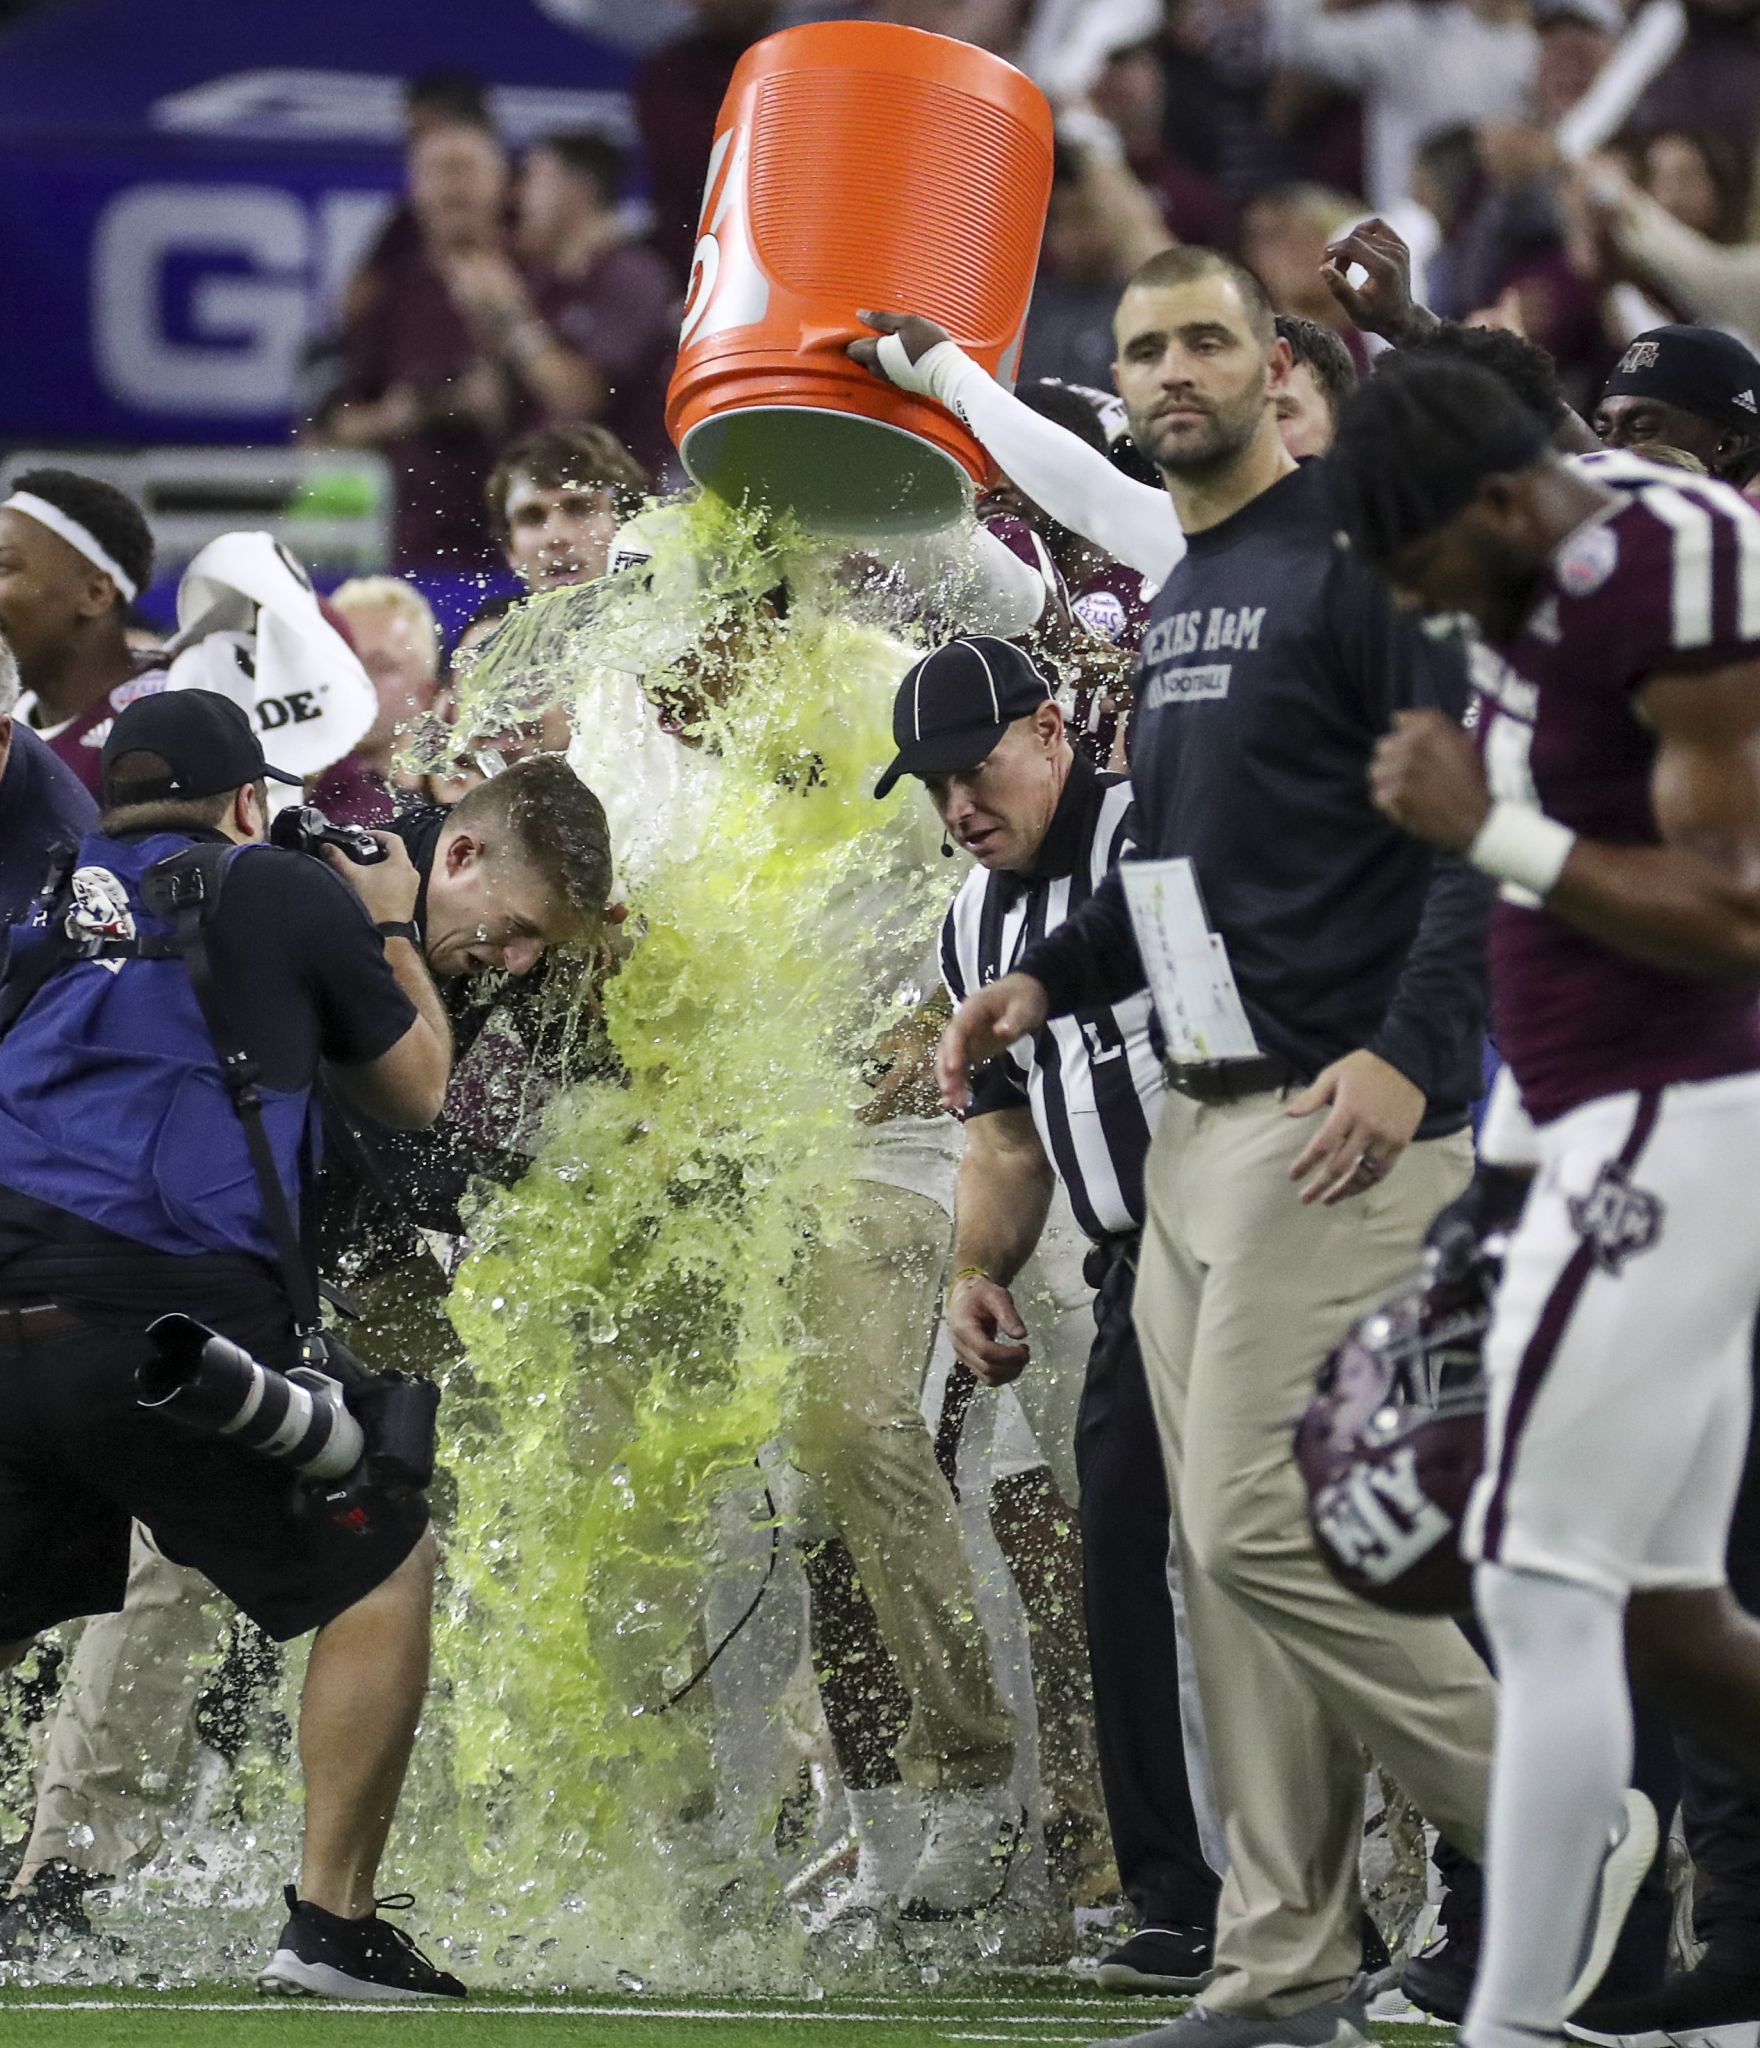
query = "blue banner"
x=179 y=218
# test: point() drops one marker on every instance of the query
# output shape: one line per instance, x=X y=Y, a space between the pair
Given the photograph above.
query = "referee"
x=1286 y=1191
x=978 y=724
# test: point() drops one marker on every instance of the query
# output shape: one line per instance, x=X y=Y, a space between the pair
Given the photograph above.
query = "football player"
x=1613 y=788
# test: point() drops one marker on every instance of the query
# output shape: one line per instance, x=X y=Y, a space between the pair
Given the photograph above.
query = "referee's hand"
x=985 y=1024
x=989 y=1338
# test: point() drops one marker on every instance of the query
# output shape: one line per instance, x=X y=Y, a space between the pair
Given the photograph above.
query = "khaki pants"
x=871 y=1310
x=1240 y=1294
x=116 y=1771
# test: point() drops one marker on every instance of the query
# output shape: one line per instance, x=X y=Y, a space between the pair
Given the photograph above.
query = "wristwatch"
x=406 y=930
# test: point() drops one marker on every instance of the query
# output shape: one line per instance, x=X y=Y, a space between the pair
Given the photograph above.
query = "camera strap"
x=188 y=886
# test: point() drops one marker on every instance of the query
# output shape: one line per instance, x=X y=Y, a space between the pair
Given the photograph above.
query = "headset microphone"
x=946 y=848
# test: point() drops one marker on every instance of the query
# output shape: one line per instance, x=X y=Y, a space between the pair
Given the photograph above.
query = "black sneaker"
x=1377 y=1961
x=1712 y=1994
x=1439 y=1979
x=51 y=1908
x=1159 y=1959
x=321 y=1956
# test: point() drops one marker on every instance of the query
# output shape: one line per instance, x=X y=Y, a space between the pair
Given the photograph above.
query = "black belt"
x=1226 y=1080
x=36 y=1323
x=1115 y=1248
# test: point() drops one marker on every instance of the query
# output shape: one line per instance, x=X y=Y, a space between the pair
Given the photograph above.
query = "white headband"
x=76 y=536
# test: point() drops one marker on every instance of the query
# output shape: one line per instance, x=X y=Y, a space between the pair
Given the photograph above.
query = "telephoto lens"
x=215 y=1388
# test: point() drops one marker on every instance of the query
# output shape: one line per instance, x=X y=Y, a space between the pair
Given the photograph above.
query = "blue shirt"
x=43 y=804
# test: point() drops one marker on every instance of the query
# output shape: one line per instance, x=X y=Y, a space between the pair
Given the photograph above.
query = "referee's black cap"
x=957 y=702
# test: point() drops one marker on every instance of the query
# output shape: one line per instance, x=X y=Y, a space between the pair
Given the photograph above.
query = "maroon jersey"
x=1110 y=601
x=1667 y=580
x=78 y=741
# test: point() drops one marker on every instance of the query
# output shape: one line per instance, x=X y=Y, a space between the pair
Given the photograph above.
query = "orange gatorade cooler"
x=856 y=164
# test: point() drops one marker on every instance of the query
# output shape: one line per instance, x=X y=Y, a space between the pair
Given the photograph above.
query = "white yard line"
x=470 y=2009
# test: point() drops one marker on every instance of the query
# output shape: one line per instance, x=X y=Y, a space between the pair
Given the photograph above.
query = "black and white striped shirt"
x=1091 y=1080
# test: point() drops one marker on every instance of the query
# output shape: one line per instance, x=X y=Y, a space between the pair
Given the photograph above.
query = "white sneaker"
x=973 y=1842
x=888 y=1824
x=1628 y=1858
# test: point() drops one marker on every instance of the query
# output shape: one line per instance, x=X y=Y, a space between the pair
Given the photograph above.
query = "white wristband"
x=929 y=376
x=1521 y=845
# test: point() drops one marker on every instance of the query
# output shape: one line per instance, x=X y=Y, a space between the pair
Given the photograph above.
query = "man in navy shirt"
x=1271 y=665
x=42 y=803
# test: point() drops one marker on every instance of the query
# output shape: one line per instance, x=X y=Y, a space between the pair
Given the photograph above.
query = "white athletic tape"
x=81 y=539
x=930 y=375
x=900 y=370
x=1521 y=845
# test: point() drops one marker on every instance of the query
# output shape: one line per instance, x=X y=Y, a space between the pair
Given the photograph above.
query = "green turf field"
x=1032 y=2018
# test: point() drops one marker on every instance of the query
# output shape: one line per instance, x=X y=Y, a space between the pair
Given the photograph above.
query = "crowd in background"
x=505 y=295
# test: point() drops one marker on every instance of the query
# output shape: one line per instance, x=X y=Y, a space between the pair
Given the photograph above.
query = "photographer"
x=521 y=863
x=128 y=1192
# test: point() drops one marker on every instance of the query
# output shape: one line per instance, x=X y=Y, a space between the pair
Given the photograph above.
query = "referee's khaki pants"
x=870 y=1305
x=1240 y=1294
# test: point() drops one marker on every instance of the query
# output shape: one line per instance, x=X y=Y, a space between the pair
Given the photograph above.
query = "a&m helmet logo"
x=1379 y=1519
x=1642 y=355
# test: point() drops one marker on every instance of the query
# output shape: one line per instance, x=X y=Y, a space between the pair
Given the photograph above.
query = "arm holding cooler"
x=1077 y=485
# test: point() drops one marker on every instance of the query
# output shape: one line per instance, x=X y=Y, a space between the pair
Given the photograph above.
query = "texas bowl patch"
x=1586 y=561
x=1102 y=613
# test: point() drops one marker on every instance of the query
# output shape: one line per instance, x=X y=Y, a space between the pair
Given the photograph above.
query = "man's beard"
x=1226 y=433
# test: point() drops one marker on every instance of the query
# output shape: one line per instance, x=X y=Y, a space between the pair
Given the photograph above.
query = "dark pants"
x=1718 y=1808
x=1126 y=1530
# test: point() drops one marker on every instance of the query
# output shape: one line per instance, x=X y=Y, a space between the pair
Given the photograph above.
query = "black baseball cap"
x=1701 y=369
x=957 y=702
x=206 y=738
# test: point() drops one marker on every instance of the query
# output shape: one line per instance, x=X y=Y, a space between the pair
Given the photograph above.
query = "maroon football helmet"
x=1395 y=1436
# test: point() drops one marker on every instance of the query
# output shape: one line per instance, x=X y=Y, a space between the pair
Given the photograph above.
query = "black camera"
x=303 y=828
